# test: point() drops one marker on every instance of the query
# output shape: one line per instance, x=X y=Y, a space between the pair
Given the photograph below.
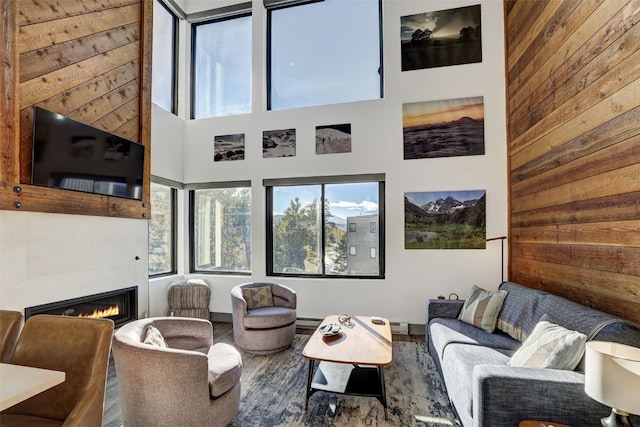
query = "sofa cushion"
x=550 y=346
x=457 y=371
x=443 y=332
x=482 y=307
x=225 y=368
x=258 y=297
x=269 y=317
x=153 y=336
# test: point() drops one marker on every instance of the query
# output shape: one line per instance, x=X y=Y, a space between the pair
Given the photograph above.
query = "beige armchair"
x=191 y=382
x=10 y=325
x=264 y=317
x=79 y=347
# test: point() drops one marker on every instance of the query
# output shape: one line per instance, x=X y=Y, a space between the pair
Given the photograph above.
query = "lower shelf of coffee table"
x=344 y=378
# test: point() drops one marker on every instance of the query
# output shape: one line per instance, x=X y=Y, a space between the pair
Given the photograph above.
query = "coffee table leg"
x=383 y=390
x=309 y=379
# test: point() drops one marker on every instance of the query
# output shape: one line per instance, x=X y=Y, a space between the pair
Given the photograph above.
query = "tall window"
x=221 y=229
x=221 y=67
x=164 y=60
x=322 y=228
x=162 y=230
x=317 y=56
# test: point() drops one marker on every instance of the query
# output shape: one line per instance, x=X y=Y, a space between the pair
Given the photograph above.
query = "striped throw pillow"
x=550 y=346
x=482 y=307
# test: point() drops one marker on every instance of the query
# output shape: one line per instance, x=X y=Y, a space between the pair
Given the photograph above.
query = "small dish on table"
x=330 y=329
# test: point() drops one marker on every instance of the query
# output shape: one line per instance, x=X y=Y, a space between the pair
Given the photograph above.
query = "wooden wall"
x=84 y=59
x=573 y=107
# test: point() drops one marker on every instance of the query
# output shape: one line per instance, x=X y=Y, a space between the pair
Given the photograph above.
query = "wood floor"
x=222 y=332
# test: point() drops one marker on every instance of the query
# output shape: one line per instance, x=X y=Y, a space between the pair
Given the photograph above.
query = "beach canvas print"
x=445 y=220
x=228 y=147
x=442 y=38
x=448 y=128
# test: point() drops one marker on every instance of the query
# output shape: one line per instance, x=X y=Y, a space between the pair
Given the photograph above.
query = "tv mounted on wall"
x=74 y=156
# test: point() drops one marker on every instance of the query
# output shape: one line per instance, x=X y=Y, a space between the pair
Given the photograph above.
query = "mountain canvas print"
x=445 y=220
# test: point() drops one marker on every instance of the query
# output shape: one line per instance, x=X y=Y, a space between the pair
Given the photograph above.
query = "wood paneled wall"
x=84 y=59
x=573 y=107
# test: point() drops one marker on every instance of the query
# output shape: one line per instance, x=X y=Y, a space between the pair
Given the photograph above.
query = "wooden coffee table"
x=351 y=362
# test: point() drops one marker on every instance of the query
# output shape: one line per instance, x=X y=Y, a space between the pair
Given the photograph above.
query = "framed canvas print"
x=228 y=147
x=333 y=139
x=447 y=128
x=279 y=143
x=445 y=220
x=441 y=38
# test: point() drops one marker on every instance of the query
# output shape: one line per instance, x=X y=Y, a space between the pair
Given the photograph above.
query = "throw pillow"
x=153 y=336
x=258 y=297
x=550 y=346
x=482 y=307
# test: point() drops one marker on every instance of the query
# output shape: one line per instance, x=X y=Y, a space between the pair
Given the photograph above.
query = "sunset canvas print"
x=441 y=38
x=446 y=128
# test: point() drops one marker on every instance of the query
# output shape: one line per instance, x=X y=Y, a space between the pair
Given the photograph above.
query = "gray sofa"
x=485 y=391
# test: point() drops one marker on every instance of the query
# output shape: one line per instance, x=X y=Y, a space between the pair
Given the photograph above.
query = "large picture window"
x=221 y=229
x=221 y=84
x=310 y=232
x=162 y=230
x=164 y=65
x=317 y=56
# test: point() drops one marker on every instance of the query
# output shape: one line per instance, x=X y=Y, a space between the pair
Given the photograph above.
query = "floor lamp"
x=502 y=239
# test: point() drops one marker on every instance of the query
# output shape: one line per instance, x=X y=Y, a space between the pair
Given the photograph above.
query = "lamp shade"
x=612 y=375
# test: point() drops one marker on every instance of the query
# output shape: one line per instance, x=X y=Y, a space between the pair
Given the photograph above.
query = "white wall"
x=50 y=257
x=412 y=276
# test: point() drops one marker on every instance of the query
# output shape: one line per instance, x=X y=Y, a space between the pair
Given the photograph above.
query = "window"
x=221 y=229
x=307 y=225
x=316 y=56
x=162 y=230
x=221 y=67
x=164 y=63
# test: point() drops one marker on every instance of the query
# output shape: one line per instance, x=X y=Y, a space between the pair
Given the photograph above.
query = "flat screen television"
x=74 y=156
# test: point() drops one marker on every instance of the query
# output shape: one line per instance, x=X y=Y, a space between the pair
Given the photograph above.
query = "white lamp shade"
x=612 y=375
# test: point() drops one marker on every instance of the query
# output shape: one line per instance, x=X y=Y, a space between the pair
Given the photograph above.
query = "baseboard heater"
x=398 y=328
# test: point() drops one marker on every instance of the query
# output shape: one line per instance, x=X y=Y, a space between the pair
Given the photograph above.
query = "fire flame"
x=114 y=310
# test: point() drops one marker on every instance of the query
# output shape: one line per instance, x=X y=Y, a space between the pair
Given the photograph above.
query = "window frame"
x=269 y=184
x=174 y=57
x=242 y=10
x=274 y=5
x=192 y=255
x=174 y=227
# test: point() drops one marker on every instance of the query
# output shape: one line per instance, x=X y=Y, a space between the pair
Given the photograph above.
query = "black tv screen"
x=71 y=155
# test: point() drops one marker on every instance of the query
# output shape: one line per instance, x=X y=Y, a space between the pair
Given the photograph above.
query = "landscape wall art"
x=442 y=38
x=448 y=128
x=333 y=139
x=228 y=147
x=279 y=143
x=445 y=220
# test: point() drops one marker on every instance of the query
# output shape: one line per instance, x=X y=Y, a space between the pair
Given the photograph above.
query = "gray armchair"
x=190 y=382
x=264 y=317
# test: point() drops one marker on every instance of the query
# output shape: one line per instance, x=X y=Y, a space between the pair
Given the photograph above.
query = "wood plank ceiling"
x=573 y=101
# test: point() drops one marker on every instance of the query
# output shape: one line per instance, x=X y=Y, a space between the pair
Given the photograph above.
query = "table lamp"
x=612 y=377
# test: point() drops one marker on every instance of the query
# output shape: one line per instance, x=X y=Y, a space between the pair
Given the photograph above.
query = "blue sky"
x=344 y=199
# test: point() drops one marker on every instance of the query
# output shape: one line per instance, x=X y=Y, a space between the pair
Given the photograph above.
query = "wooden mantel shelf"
x=25 y=197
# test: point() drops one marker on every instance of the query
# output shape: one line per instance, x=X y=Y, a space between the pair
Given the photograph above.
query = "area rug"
x=273 y=393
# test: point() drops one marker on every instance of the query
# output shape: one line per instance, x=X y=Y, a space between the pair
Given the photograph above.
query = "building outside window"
x=221 y=68
x=162 y=230
x=164 y=57
x=316 y=56
x=221 y=229
x=309 y=230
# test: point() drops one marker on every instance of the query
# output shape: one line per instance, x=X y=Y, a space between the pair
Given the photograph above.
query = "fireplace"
x=120 y=305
